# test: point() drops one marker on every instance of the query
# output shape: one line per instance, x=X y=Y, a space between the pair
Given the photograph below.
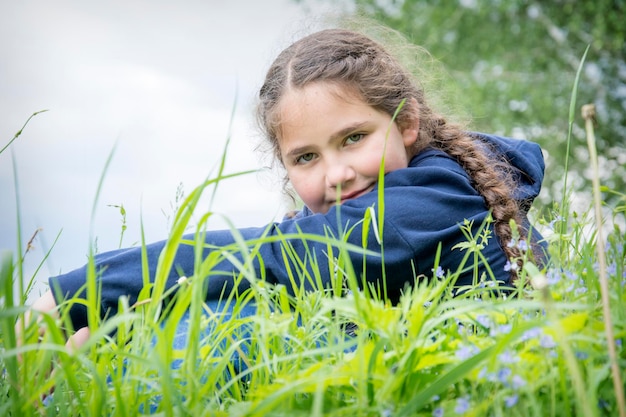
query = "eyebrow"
x=340 y=134
x=347 y=130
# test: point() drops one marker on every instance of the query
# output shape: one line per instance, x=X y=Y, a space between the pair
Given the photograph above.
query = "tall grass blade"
x=572 y=116
x=589 y=113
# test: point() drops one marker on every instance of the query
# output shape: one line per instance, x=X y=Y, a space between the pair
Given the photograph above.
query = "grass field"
x=555 y=348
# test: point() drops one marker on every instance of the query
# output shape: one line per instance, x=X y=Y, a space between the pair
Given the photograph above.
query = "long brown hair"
x=354 y=61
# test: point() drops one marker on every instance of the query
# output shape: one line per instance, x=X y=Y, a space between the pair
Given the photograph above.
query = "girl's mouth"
x=355 y=194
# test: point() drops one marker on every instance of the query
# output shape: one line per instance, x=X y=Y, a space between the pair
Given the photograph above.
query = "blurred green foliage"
x=514 y=63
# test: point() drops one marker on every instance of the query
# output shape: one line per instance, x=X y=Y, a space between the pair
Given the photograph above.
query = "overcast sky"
x=157 y=81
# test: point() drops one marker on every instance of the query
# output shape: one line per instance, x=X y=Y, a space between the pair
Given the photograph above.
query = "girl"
x=328 y=109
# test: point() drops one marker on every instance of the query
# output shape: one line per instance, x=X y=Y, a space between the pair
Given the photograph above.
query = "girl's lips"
x=356 y=194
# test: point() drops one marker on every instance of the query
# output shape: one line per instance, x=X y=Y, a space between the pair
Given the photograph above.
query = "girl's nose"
x=339 y=174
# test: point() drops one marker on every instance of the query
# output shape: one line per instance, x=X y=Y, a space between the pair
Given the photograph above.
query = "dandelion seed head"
x=539 y=281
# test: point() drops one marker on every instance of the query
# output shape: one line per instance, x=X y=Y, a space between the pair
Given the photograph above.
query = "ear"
x=411 y=123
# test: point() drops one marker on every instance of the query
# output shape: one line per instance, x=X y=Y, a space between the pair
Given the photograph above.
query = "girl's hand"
x=47 y=304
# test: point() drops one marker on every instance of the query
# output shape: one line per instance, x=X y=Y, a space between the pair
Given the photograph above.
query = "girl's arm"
x=424 y=206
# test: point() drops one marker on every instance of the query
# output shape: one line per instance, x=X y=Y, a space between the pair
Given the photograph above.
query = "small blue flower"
x=611 y=269
x=533 y=333
x=517 y=382
x=510 y=401
x=552 y=276
x=504 y=374
x=511 y=243
x=603 y=404
x=466 y=352
x=546 y=341
x=507 y=357
x=556 y=220
x=484 y=320
x=438 y=412
x=580 y=355
x=462 y=405
x=505 y=328
x=522 y=245
x=580 y=290
x=510 y=266
x=439 y=273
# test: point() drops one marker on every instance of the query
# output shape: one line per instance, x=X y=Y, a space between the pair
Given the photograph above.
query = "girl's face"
x=332 y=143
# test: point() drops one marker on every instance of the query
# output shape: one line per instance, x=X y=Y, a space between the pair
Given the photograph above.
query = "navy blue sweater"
x=425 y=204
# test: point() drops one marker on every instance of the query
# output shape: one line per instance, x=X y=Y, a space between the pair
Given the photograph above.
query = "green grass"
x=544 y=353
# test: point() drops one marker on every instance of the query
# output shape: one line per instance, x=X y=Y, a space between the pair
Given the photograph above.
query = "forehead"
x=305 y=107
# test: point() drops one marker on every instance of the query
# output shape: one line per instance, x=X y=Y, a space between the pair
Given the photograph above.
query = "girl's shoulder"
x=432 y=160
x=524 y=160
x=430 y=156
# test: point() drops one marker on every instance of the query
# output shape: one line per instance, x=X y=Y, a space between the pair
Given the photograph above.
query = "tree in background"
x=514 y=62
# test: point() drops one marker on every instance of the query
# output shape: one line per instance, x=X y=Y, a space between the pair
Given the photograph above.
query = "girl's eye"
x=306 y=158
x=354 y=138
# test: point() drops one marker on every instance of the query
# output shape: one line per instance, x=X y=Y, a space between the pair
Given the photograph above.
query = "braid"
x=490 y=176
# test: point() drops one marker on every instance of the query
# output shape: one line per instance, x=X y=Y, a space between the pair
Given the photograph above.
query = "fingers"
x=45 y=304
x=78 y=339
